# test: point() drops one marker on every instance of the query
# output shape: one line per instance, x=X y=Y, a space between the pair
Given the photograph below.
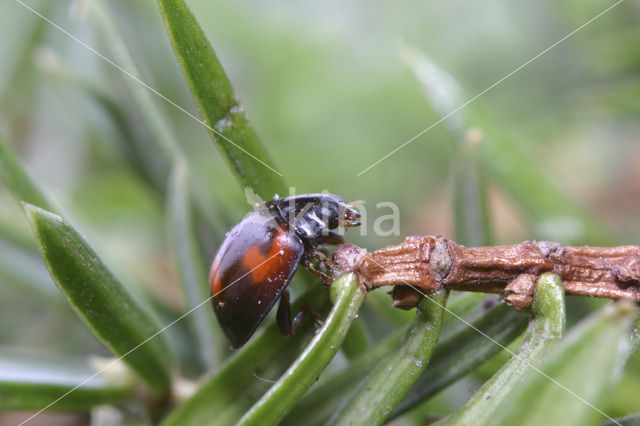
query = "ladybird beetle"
x=260 y=254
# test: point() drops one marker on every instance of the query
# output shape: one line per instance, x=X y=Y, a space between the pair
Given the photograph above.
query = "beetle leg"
x=331 y=237
x=321 y=257
x=289 y=325
x=307 y=263
x=304 y=312
x=283 y=316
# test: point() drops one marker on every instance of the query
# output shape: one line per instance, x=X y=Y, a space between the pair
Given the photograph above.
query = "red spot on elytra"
x=264 y=265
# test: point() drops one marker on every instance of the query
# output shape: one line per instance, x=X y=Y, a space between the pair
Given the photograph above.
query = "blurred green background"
x=328 y=89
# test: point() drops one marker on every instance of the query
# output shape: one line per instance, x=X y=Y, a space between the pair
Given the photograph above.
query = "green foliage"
x=18 y=181
x=544 y=329
x=31 y=381
x=460 y=349
x=141 y=96
x=189 y=260
x=101 y=301
x=245 y=377
x=321 y=402
x=463 y=347
x=392 y=378
x=224 y=116
x=584 y=366
x=347 y=296
x=526 y=181
x=356 y=341
x=126 y=157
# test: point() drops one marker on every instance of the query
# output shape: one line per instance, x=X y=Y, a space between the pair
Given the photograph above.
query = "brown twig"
x=434 y=262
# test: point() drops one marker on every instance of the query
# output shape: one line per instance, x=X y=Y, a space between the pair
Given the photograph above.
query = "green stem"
x=587 y=363
x=392 y=378
x=462 y=349
x=272 y=407
x=356 y=342
x=242 y=380
x=319 y=404
x=545 y=328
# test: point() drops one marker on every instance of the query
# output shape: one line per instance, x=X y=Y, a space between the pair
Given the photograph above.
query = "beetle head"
x=312 y=214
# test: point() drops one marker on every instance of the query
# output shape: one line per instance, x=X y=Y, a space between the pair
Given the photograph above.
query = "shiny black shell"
x=260 y=254
x=252 y=268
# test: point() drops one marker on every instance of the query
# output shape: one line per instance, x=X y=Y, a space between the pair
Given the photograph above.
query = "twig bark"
x=434 y=262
